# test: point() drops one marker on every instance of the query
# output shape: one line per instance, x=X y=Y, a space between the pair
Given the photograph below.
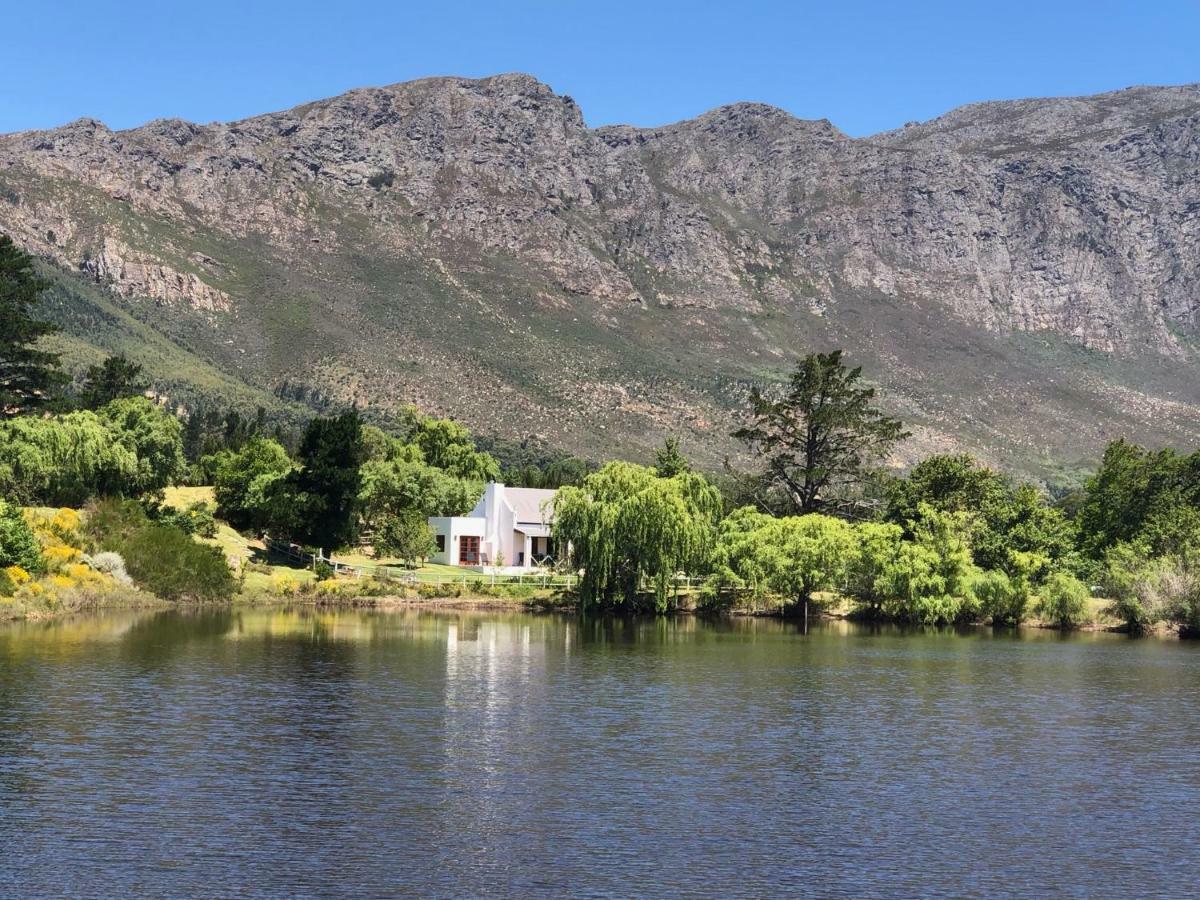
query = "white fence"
x=681 y=583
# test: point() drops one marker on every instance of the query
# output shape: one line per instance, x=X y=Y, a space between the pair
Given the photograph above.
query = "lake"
x=277 y=752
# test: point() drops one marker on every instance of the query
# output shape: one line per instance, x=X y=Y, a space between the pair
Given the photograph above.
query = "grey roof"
x=527 y=503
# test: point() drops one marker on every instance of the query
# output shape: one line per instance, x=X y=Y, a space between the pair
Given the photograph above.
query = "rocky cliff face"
x=474 y=246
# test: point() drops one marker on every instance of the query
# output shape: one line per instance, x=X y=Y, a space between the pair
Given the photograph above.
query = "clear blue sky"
x=867 y=66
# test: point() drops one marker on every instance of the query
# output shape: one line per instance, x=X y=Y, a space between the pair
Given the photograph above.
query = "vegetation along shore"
x=110 y=497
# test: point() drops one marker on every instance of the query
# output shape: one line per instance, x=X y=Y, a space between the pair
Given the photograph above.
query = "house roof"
x=527 y=504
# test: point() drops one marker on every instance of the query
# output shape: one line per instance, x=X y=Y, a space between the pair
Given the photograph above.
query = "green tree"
x=1063 y=600
x=1000 y=522
x=626 y=525
x=245 y=482
x=64 y=460
x=399 y=485
x=318 y=503
x=406 y=537
x=926 y=579
x=669 y=461
x=447 y=445
x=740 y=561
x=792 y=557
x=1131 y=487
x=1002 y=599
x=872 y=575
x=29 y=377
x=153 y=435
x=18 y=545
x=820 y=440
x=113 y=379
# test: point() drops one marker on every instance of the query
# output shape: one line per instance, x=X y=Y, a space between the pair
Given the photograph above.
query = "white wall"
x=452 y=528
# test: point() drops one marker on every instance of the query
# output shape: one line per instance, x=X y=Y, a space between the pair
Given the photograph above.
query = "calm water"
x=273 y=752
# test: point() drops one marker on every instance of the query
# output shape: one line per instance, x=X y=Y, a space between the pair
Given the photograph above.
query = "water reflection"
x=297 y=751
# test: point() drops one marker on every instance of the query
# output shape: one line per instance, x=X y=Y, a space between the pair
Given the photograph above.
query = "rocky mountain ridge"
x=396 y=243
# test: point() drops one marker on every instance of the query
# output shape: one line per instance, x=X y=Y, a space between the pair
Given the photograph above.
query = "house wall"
x=452 y=528
x=498 y=530
x=493 y=521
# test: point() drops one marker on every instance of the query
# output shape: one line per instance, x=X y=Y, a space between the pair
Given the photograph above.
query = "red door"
x=468 y=550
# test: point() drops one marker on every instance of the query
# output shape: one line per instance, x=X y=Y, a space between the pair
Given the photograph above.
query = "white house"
x=508 y=527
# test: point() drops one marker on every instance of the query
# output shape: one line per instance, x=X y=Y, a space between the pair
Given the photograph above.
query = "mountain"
x=1021 y=278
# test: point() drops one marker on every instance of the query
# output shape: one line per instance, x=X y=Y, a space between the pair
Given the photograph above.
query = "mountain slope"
x=1021 y=278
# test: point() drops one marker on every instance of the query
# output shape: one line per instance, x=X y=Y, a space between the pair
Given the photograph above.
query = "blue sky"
x=867 y=66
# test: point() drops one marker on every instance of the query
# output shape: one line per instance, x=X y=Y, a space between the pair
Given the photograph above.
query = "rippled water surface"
x=280 y=752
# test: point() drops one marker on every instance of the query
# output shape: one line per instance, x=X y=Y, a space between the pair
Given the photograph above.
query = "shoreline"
x=140 y=601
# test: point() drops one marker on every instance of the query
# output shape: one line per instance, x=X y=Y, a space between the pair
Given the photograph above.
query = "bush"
x=324 y=571
x=1063 y=600
x=111 y=564
x=159 y=557
x=167 y=562
x=1001 y=598
x=196 y=519
x=18 y=544
x=1168 y=590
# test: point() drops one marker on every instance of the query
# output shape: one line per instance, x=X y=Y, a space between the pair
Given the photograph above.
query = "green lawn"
x=181 y=497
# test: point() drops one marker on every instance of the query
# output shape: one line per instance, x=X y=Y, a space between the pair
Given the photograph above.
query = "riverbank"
x=47 y=607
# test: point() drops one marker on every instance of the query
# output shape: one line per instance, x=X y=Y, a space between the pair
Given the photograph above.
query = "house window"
x=441 y=543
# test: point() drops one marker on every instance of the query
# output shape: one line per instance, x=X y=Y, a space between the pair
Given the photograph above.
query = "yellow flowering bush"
x=17 y=575
x=65 y=525
x=60 y=555
x=282 y=583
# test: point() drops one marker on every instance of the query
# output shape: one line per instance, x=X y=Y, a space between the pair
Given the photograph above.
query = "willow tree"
x=792 y=557
x=627 y=526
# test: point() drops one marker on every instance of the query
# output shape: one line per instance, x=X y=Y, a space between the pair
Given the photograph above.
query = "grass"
x=361 y=559
x=183 y=496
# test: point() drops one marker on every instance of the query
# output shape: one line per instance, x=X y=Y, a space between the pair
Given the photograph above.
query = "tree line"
x=820 y=515
x=951 y=541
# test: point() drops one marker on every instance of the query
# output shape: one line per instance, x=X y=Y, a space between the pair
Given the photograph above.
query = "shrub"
x=196 y=519
x=167 y=562
x=385 y=178
x=324 y=571
x=1127 y=573
x=1169 y=590
x=111 y=522
x=284 y=584
x=447 y=589
x=1001 y=598
x=159 y=557
x=18 y=544
x=112 y=564
x=1063 y=600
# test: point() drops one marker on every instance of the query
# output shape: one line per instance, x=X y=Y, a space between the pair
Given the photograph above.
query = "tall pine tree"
x=819 y=440
x=29 y=377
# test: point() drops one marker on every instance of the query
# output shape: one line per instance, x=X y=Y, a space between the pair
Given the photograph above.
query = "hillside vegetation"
x=1021 y=279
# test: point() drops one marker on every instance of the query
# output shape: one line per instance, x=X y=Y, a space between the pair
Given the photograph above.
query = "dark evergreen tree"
x=29 y=377
x=323 y=493
x=820 y=439
x=668 y=461
x=113 y=379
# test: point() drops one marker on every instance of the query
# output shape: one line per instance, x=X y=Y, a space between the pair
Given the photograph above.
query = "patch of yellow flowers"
x=66 y=573
x=284 y=584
